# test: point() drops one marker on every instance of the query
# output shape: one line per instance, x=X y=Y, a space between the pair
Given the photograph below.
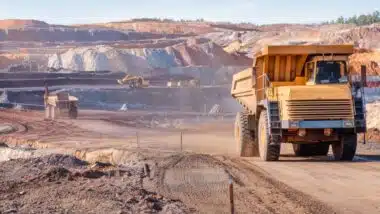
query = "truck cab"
x=327 y=71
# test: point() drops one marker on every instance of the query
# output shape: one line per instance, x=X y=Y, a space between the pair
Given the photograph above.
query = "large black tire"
x=268 y=151
x=304 y=150
x=345 y=149
x=245 y=138
x=73 y=112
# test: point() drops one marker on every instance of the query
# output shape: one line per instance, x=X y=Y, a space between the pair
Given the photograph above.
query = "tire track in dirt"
x=281 y=197
x=35 y=132
x=201 y=181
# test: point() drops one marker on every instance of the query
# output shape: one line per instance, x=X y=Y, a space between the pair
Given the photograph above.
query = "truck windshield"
x=330 y=72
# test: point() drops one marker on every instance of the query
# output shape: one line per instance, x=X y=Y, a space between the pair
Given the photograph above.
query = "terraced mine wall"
x=161 y=99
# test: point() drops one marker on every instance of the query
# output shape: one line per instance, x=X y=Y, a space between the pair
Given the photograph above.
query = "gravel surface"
x=64 y=184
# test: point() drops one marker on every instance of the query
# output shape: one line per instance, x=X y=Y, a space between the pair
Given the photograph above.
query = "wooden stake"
x=231 y=190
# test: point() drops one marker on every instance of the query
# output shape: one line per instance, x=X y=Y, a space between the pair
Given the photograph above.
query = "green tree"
x=340 y=20
x=363 y=19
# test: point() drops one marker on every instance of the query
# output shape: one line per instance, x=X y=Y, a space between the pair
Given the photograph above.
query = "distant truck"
x=60 y=103
x=302 y=95
x=134 y=81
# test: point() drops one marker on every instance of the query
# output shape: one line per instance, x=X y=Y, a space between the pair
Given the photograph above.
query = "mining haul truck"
x=303 y=95
x=60 y=103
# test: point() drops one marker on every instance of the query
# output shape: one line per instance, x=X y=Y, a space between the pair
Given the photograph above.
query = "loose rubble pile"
x=100 y=58
x=65 y=184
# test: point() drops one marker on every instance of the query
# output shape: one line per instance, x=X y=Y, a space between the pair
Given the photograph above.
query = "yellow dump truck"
x=60 y=103
x=134 y=81
x=303 y=95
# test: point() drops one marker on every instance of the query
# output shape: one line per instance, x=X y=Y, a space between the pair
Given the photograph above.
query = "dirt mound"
x=62 y=160
x=137 y=61
x=207 y=54
x=57 y=173
x=20 y=23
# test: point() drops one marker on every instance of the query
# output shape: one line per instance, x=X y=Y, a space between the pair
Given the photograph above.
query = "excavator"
x=141 y=82
x=134 y=81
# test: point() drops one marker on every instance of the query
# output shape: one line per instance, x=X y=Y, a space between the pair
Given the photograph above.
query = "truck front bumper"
x=318 y=124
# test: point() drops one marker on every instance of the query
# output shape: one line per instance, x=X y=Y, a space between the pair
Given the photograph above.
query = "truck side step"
x=274 y=122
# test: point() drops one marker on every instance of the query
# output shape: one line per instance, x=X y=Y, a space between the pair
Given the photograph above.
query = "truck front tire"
x=269 y=151
x=245 y=138
x=345 y=149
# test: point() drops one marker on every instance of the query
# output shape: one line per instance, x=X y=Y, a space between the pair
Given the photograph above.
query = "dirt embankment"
x=185 y=183
x=370 y=59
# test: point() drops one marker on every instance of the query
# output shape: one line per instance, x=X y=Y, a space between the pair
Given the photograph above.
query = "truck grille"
x=319 y=109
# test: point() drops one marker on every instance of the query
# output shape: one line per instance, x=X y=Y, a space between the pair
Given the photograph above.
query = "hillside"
x=20 y=23
x=136 y=61
x=171 y=26
x=167 y=43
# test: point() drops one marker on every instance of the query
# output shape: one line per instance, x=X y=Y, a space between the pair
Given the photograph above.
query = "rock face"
x=363 y=37
x=367 y=37
x=139 y=46
x=101 y=58
x=61 y=34
x=370 y=59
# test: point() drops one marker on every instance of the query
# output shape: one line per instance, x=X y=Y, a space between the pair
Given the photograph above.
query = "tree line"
x=165 y=20
x=364 y=19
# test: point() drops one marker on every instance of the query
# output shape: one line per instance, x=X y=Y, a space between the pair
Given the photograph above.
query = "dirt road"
x=199 y=175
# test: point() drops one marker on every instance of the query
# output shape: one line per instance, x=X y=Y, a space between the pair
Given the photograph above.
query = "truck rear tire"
x=245 y=138
x=268 y=151
x=305 y=150
x=73 y=112
x=345 y=149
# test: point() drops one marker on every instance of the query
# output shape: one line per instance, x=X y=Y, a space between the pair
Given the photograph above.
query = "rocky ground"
x=65 y=184
x=159 y=174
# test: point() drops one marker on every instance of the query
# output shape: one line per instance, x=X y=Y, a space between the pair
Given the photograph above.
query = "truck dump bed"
x=243 y=89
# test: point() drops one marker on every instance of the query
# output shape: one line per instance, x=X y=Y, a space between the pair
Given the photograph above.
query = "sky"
x=255 y=11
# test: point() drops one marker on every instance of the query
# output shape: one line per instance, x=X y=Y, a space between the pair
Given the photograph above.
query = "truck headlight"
x=348 y=123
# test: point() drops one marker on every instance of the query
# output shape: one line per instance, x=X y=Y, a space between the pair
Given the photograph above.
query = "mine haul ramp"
x=301 y=95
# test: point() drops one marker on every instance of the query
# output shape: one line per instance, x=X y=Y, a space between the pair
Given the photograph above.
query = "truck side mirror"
x=363 y=76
